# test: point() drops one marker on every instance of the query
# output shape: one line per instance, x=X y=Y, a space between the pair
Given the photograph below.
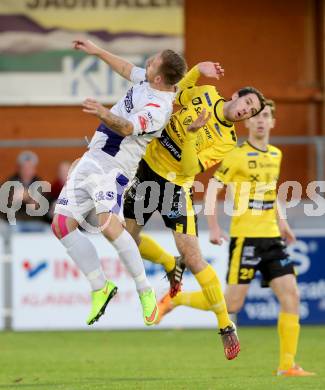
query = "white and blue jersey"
x=148 y=110
x=101 y=175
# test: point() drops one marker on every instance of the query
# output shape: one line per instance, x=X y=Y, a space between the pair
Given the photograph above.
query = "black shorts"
x=150 y=192
x=248 y=255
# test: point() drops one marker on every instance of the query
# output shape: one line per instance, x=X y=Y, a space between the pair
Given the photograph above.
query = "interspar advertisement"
x=261 y=307
x=50 y=293
x=36 y=46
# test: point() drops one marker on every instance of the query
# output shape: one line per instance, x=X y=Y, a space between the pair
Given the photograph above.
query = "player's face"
x=152 y=67
x=260 y=125
x=243 y=107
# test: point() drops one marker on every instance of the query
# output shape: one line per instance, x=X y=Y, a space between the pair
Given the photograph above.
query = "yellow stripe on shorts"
x=235 y=261
x=190 y=215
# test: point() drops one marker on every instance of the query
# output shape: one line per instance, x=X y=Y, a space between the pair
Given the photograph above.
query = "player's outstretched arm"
x=185 y=86
x=189 y=159
x=118 y=64
x=119 y=125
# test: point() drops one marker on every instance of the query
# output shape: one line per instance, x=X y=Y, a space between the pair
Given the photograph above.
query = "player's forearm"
x=119 y=125
x=118 y=64
x=211 y=206
x=189 y=160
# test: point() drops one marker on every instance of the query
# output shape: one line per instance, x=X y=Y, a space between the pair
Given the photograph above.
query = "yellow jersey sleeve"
x=186 y=86
x=228 y=167
x=189 y=160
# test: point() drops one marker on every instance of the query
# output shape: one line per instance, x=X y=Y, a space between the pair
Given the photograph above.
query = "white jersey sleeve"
x=150 y=119
x=137 y=75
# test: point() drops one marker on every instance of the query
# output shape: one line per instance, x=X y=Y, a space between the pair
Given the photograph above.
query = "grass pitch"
x=175 y=359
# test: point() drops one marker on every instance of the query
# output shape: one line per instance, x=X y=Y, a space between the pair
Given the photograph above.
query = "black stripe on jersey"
x=170 y=145
x=216 y=115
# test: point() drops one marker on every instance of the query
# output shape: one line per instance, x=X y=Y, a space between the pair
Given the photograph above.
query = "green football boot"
x=99 y=301
x=149 y=306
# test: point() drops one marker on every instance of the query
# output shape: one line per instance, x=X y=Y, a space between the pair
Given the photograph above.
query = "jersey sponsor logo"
x=252 y=154
x=260 y=204
x=207 y=131
x=174 y=214
x=170 y=145
x=208 y=99
x=187 y=121
x=268 y=165
x=255 y=177
x=217 y=127
x=63 y=201
x=274 y=153
x=128 y=101
x=252 y=164
x=285 y=262
x=196 y=101
x=143 y=122
x=102 y=195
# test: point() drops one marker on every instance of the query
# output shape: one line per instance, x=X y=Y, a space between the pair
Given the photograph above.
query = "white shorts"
x=92 y=184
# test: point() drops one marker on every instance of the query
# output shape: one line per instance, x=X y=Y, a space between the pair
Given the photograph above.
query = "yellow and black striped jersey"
x=252 y=176
x=214 y=140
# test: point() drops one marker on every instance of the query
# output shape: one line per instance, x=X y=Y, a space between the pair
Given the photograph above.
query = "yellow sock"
x=288 y=329
x=155 y=253
x=195 y=299
x=212 y=291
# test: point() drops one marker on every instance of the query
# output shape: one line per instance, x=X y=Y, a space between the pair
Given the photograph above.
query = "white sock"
x=131 y=258
x=84 y=254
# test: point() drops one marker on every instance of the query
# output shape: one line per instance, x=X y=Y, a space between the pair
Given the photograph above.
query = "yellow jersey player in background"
x=190 y=143
x=257 y=236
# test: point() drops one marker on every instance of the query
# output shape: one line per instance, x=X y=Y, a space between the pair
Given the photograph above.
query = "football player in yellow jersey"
x=257 y=236
x=195 y=138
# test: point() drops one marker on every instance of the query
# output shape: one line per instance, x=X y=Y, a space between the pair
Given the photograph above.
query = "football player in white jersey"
x=100 y=176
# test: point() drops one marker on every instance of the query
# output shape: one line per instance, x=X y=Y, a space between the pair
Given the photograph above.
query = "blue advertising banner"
x=261 y=307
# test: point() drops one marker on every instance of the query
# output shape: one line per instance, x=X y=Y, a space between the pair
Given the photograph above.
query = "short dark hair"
x=173 y=67
x=271 y=103
x=246 y=90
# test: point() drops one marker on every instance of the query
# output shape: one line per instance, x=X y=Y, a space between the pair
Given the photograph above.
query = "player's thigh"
x=134 y=229
x=188 y=247
x=235 y=295
x=74 y=200
x=286 y=290
x=242 y=260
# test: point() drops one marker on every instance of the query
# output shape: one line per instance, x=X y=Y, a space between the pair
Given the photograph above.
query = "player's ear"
x=234 y=96
x=158 y=79
x=273 y=122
